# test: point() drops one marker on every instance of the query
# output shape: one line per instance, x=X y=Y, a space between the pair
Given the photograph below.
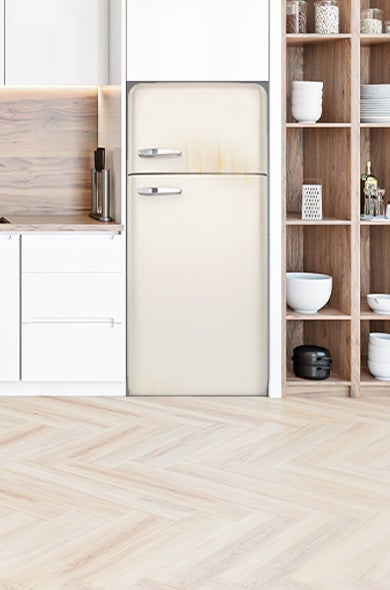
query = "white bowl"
x=380 y=370
x=306 y=113
x=306 y=100
x=307 y=92
x=379 y=302
x=306 y=104
x=375 y=353
x=307 y=292
x=380 y=339
x=307 y=84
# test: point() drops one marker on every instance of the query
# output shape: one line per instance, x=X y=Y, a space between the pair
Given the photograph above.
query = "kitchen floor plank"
x=194 y=493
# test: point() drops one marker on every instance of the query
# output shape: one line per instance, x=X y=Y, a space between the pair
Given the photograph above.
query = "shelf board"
x=375 y=125
x=366 y=312
x=374 y=223
x=291 y=125
x=301 y=39
x=368 y=381
x=295 y=219
x=367 y=40
x=334 y=385
x=326 y=313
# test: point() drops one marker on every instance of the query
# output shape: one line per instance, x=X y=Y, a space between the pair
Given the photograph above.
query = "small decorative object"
x=296 y=16
x=371 y=21
x=386 y=27
x=312 y=199
x=326 y=17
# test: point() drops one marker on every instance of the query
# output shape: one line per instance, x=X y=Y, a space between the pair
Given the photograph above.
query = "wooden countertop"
x=50 y=223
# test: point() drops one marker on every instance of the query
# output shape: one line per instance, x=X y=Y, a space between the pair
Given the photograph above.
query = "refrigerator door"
x=197 y=307
x=197 y=128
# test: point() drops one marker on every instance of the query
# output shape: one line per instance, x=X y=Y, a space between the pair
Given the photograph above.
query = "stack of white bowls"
x=306 y=101
x=379 y=355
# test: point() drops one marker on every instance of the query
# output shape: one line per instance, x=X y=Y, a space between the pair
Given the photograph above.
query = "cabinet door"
x=9 y=304
x=203 y=40
x=56 y=42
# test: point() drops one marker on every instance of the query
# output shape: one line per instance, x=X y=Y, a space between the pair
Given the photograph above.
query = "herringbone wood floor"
x=194 y=494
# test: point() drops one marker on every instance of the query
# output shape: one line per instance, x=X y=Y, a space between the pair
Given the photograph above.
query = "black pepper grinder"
x=100 y=188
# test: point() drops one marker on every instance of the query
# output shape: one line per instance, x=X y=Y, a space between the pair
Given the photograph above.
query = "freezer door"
x=197 y=309
x=197 y=128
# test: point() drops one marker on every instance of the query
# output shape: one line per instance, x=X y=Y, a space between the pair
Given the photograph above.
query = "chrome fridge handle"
x=156 y=152
x=155 y=191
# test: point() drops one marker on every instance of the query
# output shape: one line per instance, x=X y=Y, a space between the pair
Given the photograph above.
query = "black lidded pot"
x=311 y=362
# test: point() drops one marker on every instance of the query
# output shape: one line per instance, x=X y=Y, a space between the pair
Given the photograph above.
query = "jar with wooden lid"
x=326 y=17
x=296 y=16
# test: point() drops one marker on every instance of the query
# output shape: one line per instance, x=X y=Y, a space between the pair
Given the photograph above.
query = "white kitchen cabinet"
x=197 y=40
x=73 y=297
x=72 y=253
x=73 y=308
x=56 y=42
x=73 y=351
x=9 y=302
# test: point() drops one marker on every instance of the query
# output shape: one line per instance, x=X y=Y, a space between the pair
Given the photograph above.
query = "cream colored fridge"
x=197 y=239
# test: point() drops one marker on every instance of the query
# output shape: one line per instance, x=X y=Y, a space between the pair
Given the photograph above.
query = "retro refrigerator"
x=197 y=239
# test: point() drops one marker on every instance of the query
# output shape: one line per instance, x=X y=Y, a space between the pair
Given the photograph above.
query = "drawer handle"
x=52 y=320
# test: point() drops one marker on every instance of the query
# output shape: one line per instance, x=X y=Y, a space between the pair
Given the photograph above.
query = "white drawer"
x=73 y=296
x=73 y=253
x=73 y=352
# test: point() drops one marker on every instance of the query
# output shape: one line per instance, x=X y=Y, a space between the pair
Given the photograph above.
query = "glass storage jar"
x=296 y=16
x=326 y=17
x=371 y=21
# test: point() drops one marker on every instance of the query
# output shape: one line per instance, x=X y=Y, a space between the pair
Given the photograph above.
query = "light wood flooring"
x=194 y=494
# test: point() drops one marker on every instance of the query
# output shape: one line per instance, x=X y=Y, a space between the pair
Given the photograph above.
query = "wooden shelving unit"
x=335 y=149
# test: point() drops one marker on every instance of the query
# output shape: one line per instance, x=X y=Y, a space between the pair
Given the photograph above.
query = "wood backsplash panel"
x=47 y=140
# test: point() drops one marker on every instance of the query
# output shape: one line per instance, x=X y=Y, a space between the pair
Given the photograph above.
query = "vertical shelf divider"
x=284 y=200
x=355 y=198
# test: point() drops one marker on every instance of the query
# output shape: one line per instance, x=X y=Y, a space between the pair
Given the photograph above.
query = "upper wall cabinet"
x=51 y=42
x=207 y=40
